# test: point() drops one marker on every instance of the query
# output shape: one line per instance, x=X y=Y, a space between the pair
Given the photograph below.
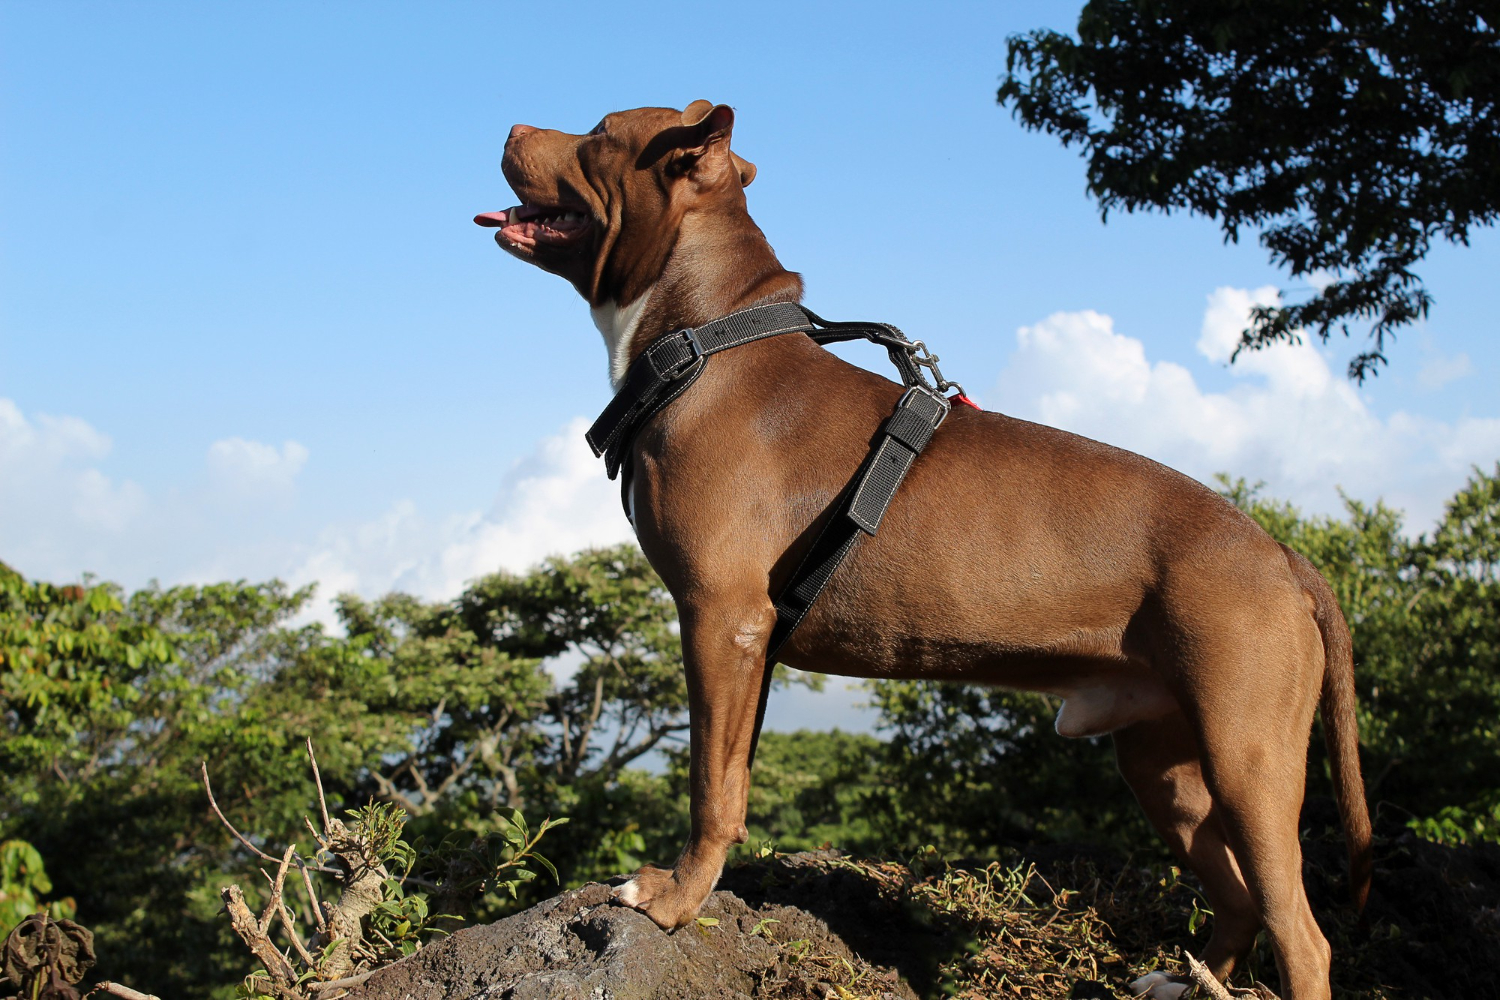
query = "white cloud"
x=554 y=501
x=1290 y=420
x=249 y=470
x=1438 y=371
x=62 y=513
x=52 y=496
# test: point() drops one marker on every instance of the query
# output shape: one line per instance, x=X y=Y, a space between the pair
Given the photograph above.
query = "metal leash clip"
x=920 y=355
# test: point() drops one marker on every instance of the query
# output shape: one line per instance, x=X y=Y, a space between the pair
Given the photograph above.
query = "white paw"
x=1160 y=986
x=629 y=893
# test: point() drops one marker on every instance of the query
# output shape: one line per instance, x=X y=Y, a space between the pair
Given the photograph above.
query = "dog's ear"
x=699 y=147
x=744 y=166
x=708 y=124
x=713 y=123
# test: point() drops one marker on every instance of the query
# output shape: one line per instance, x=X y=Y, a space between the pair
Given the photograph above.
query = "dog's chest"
x=617 y=324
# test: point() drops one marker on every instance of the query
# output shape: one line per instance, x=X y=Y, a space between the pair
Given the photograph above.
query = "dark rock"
x=582 y=946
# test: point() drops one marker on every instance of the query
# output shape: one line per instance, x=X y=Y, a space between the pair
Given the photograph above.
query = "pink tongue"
x=492 y=219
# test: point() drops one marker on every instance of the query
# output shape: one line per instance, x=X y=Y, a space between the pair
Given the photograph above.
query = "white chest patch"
x=617 y=324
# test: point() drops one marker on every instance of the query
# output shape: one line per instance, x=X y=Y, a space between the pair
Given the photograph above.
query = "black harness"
x=673 y=362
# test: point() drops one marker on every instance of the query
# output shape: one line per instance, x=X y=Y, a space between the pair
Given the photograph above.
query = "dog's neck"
x=719 y=263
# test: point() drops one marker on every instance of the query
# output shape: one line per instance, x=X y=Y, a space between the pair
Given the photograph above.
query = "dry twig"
x=344 y=983
x=245 y=925
x=278 y=901
x=1217 y=990
x=124 y=992
x=240 y=836
x=318 y=780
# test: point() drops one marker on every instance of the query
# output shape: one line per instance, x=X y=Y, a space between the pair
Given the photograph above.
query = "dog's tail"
x=1340 y=727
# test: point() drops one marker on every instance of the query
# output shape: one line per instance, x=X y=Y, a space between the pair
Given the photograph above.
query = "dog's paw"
x=1161 y=986
x=657 y=893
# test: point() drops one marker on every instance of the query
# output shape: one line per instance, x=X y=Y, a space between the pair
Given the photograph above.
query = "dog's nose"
x=516 y=131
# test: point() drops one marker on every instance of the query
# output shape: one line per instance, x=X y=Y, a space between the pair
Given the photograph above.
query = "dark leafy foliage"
x=974 y=769
x=1350 y=134
x=1425 y=616
x=108 y=705
x=562 y=691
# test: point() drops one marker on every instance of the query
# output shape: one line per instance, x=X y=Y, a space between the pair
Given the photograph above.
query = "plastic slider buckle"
x=689 y=337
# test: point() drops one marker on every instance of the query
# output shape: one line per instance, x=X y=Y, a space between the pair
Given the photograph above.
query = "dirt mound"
x=1060 y=924
x=580 y=946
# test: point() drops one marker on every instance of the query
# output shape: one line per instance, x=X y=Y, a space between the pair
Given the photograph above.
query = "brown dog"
x=1014 y=553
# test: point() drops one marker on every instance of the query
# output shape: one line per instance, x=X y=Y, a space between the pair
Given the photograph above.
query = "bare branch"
x=312 y=899
x=321 y=843
x=338 y=984
x=278 y=902
x=278 y=884
x=457 y=771
x=567 y=735
x=630 y=753
x=218 y=812
x=318 y=780
x=390 y=794
x=586 y=730
x=421 y=781
x=277 y=967
x=125 y=992
x=242 y=838
x=1214 y=989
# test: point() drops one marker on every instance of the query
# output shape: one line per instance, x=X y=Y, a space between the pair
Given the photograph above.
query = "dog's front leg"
x=724 y=648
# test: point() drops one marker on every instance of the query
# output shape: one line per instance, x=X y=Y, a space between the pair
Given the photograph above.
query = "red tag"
x=962 y=400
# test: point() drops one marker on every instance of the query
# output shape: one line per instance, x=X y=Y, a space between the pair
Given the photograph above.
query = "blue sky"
x=247 y=328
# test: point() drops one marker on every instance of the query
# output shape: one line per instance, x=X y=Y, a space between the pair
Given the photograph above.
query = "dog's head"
x=605 y=209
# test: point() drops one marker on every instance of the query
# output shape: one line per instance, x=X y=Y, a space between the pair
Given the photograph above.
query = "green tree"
x=973 y=769
x=23 y=883
x=605 y=615
x=75 y=668
x=565 y=736
x=1349 y=134
x=810 y=789
x=110 y=704
x=1425 y=616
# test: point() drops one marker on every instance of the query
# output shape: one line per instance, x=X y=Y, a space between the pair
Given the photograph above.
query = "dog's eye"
x=598 y=129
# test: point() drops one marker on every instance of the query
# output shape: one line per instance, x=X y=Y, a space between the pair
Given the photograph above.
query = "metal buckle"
x=920 y=355
x=936 y=395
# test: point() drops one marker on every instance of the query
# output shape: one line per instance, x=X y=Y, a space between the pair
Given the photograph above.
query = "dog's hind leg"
x=724 y=648
x=1160 y=761
x=1253 y=688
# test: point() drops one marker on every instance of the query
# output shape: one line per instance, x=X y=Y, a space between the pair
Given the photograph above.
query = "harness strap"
x=671 y=363
x=858 y=509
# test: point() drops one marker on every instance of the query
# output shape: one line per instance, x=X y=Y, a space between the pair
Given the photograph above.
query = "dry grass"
x=1085 y=927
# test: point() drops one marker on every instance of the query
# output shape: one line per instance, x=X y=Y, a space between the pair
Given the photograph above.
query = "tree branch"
x=243 y=921
x=581 y=750
x=278 y=901
x=318 y=780
x=390 y=794
x=124 y=992
x=240 y=836
x=615 y=762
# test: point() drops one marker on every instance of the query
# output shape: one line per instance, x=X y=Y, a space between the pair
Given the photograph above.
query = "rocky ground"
x=1061 y=923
